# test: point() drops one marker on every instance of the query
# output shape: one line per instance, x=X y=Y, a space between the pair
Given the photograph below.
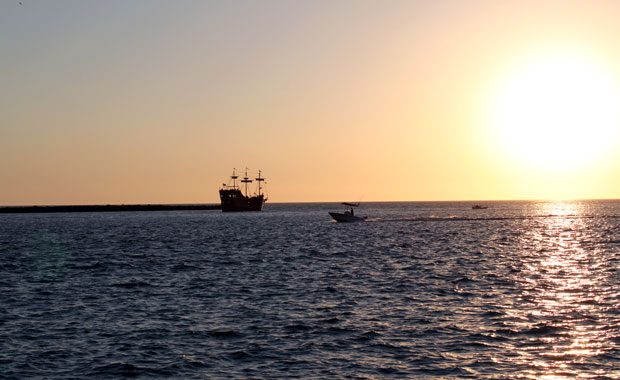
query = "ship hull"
x=346 y=218
x=235 y=201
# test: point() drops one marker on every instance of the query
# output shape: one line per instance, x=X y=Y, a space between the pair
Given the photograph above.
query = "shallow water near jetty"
x=421 y=290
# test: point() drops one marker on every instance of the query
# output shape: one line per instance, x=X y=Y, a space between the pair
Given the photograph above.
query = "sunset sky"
x=156 y=101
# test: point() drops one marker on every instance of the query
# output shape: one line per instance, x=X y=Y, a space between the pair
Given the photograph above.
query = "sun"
x=556 y=111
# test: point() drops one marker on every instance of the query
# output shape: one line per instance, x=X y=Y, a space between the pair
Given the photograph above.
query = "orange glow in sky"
x=157 y=101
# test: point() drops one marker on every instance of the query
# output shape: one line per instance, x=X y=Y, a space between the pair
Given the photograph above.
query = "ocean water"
x=521 y=290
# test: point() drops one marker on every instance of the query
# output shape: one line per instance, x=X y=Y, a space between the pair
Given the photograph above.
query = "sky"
x=150 y=101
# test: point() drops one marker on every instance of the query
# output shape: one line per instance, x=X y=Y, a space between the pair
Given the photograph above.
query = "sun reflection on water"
x=560 y=308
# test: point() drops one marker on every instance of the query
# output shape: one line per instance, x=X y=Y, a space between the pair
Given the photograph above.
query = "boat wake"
x=467 y=218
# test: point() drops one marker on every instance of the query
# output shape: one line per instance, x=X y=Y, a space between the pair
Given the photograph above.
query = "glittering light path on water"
x=567 y=286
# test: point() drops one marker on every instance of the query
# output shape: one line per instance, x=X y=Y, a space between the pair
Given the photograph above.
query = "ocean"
x=437 y=290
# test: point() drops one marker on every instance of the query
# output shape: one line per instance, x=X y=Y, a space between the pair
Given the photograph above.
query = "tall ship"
x=233 y=199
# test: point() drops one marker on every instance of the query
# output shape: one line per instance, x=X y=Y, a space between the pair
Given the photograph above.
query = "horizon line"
x=311 y=202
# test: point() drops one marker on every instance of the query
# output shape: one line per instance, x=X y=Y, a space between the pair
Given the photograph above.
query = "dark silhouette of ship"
x=234 y=200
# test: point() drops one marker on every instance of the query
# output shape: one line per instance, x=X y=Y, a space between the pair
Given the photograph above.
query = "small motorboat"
x=348 y=215
x=479 y=207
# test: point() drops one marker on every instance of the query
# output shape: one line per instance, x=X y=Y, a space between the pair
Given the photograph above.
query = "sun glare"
x=556 y=112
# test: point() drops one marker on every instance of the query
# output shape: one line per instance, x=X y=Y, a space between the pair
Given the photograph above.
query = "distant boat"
x=479 y=207
x=347 y=216
x=234 y=200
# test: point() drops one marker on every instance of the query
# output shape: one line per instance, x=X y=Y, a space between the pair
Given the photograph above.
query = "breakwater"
x=106 y=208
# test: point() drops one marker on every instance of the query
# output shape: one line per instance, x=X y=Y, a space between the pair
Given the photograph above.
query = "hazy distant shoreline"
x=106 y=208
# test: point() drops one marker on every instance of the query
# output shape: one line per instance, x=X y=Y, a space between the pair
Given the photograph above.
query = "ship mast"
x=259 y=180
x=234 y=178
x=246 y=180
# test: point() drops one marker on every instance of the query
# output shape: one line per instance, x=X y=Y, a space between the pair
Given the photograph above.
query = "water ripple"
x=522 y=290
